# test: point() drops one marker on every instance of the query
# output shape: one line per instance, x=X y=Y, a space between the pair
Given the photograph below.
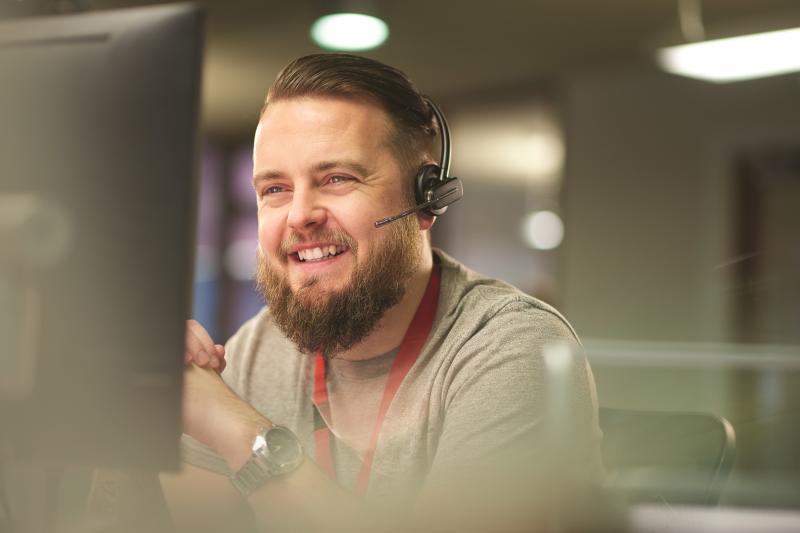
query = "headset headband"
x=444 y=132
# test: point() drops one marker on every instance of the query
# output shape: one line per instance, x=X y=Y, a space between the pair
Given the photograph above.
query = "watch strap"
x=262 y=465
x=252 y=475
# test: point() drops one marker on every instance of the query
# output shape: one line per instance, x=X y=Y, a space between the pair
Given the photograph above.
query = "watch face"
x=282 y=445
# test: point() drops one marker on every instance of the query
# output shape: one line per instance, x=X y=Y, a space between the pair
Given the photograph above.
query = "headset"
x=434 y=188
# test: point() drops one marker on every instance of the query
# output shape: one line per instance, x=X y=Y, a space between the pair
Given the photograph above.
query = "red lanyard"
x=410 y=348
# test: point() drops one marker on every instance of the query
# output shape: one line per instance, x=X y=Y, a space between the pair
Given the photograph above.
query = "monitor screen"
x=98 y=130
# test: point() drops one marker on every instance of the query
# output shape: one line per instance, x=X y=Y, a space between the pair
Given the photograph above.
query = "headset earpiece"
x=434 y=188
x=427 y=178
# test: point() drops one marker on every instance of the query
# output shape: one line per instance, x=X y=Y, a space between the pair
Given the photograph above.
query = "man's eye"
x=275 y=189
x=339 y=179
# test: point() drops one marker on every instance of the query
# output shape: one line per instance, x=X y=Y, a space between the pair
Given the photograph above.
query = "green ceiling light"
x=349 y=32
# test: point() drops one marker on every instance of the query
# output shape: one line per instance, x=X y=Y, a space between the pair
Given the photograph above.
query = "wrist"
x=275 y=452
x=236 y=432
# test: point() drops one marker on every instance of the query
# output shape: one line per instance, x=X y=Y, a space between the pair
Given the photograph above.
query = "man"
x=399 y=372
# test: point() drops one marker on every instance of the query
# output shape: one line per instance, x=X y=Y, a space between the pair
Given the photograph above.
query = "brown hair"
x=359 y=78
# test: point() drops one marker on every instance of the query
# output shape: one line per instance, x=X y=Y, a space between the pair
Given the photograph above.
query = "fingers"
x=200 y=348
x=220 y=357
x=197 y=338
x=203 y=359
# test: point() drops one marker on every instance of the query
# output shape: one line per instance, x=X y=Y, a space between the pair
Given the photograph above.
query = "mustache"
x=330 y=235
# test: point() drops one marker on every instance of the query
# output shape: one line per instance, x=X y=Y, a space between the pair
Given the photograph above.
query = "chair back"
x=669 y=457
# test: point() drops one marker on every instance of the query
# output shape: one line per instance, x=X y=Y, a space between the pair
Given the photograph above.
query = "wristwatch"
x=276 y=451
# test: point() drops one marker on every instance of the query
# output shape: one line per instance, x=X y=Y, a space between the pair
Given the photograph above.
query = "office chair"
x=667 y=457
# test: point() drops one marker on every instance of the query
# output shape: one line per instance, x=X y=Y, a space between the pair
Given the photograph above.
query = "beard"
x=335 y=321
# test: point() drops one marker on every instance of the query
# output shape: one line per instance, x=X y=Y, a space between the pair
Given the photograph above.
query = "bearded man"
x=382 y=373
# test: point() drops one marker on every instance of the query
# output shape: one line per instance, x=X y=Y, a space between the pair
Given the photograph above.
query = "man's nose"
x=305 y=211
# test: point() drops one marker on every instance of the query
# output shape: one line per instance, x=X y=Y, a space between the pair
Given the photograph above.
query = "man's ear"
x=425 y=220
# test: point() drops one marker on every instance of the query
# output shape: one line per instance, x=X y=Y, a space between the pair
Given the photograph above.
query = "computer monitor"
x=98 y=146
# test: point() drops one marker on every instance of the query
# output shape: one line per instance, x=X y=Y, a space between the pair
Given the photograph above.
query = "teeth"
x=314 y=254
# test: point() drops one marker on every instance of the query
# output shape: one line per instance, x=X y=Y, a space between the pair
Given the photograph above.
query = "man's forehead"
x=324 y=111
x=350 y=130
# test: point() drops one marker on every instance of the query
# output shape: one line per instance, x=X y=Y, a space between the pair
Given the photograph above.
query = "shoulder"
x=491 y=337
x=471 y=303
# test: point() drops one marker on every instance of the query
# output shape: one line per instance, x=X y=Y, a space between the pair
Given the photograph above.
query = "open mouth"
x=320 y=253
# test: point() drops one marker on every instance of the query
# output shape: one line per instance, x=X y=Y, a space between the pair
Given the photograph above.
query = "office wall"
x=508 y=151
x=648 y=199
x=659 y=232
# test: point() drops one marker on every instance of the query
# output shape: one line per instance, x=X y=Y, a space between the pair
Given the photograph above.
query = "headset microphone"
x=443 y=198
x=434 y=188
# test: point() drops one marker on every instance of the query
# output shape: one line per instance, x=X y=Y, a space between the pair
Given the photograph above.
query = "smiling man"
x=382 y=374
x=322 y=177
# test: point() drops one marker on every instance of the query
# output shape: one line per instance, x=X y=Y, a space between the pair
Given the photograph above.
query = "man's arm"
x=213 y=414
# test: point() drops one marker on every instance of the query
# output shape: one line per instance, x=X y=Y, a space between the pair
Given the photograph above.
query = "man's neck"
x=391 y=328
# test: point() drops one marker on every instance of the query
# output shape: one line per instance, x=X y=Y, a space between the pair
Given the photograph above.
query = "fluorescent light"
x=349 y=32
x=736 y=58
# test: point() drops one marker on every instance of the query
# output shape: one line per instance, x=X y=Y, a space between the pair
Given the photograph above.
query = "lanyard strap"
x=410 y=348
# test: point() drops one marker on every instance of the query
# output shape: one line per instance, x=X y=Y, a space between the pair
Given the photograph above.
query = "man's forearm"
x=305 y=498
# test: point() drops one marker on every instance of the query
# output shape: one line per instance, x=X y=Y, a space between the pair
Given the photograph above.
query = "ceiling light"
x=736 y=58
x=350 y=32
x=543 y=230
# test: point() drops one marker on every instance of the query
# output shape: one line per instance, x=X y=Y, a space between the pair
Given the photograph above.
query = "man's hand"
x=212 y=412
x=217 y=417
x=200 y=348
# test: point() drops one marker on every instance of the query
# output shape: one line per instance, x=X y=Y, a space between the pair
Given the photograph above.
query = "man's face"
x=324 y=172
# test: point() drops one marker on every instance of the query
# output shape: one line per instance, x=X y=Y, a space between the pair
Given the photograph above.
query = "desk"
x=685 y=519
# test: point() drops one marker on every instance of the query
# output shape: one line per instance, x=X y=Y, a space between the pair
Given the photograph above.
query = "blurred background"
x=659 y=213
